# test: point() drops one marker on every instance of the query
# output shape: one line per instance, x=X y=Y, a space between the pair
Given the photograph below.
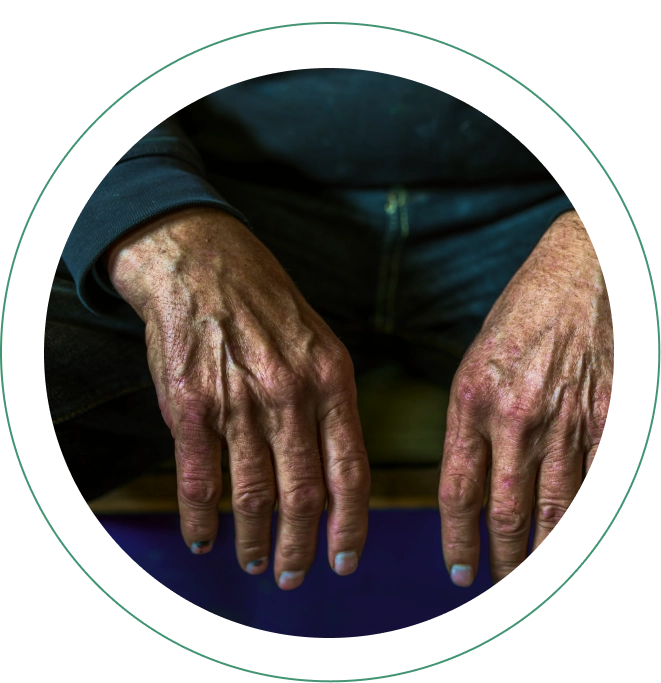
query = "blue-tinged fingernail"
x=346 y=563
x=200 y=547
x=461 y=575
x=289 y=580
x=256 y=566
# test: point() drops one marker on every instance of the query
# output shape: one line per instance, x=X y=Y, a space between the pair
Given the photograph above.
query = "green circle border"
x=435 y=40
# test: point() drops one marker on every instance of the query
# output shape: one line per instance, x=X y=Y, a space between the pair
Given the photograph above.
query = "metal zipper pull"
x=391 y=202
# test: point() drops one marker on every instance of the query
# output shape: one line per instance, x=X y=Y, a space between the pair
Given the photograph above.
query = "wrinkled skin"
x=529 y=400
x=237 y=354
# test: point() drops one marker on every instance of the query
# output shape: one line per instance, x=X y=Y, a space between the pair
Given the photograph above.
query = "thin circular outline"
x=658 y=334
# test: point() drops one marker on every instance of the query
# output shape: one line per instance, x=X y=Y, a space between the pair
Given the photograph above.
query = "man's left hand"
x=529 y=400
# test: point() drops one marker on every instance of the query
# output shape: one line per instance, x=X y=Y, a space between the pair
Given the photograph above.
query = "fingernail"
x=256 y=566
x=346 y=563
x=200 y=547
x=461 y=575
x=289 y=580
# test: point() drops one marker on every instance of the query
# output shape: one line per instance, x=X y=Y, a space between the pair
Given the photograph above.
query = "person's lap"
x=400 y=275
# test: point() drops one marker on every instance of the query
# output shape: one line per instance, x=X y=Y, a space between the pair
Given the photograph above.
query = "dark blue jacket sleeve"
x=162 y=172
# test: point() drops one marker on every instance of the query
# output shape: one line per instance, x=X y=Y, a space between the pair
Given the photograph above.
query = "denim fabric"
x=297 y=130
x=403 y=275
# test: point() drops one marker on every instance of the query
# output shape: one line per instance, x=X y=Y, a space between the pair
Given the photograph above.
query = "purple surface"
x=401 y=579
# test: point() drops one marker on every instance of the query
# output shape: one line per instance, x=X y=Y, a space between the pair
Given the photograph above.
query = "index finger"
x=461 y=491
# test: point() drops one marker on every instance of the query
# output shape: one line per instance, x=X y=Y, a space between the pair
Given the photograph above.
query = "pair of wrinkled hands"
x=239 y=358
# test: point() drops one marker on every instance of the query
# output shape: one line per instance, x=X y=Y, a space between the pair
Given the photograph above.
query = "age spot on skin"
x=551 y=513
x=507 y=483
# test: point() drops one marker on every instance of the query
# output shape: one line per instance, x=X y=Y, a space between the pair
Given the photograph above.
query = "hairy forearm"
x=565 y=254
x=564 y=269
x=567 y=247
x=146 y=262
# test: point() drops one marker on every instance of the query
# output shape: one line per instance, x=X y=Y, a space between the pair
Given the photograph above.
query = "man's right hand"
x=237 y=354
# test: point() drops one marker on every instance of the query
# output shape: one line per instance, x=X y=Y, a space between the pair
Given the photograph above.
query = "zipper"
x=391 y=256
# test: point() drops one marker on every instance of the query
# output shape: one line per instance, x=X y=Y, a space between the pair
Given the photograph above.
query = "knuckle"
x=458 y=494
x=188 y=394
x=508 y=521
x=549 y=513
x=253 y=501
x=349 y=477
x=198 y=492
x=334 y=366
x=192 y=412
x=470 y=391
x=340 y=409
x=303 y=501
